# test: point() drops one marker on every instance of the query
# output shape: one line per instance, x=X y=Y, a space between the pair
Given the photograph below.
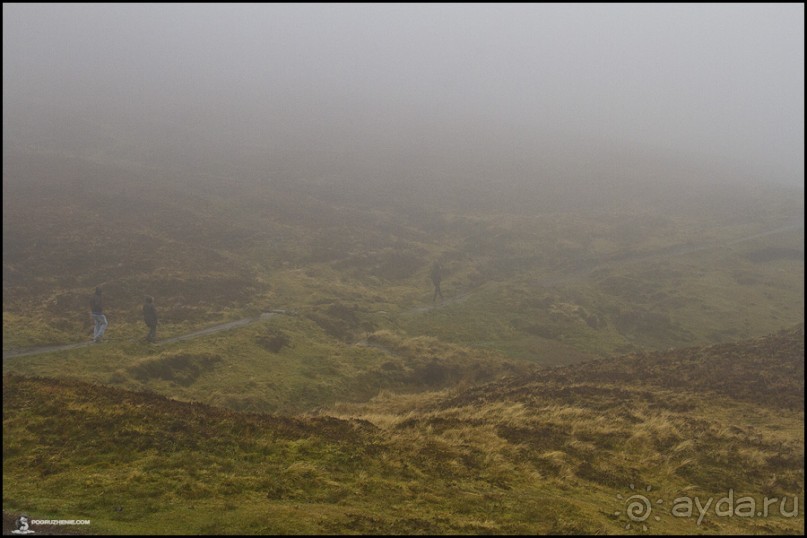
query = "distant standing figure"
x=97 y=313
x=150 y=317
x=437 y=276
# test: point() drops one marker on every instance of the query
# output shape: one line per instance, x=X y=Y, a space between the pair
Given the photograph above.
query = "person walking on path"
x=437 y=276
x=150 y=317
x=97 y=314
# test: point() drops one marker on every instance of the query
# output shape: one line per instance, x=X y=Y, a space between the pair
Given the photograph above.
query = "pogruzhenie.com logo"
x=26 y=525
x=22 y=525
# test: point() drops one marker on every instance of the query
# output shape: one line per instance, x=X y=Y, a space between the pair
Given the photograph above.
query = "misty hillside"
x=211 y=250
x=541 y=454
x=766 y=371
x=417 y=268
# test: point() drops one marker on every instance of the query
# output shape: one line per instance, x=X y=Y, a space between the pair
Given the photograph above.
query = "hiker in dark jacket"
x=97 y=314
x=437 y=276
x=150 y=317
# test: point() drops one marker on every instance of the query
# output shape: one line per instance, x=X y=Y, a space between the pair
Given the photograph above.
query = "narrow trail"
x=454 y=299
x=584 y=267
x=196 y=334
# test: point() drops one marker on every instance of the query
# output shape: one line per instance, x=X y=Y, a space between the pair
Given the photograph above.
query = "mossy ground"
x=370 y=409
x=556 y=451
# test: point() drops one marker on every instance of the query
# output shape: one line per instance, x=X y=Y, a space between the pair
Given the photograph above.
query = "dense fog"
x=531 y=93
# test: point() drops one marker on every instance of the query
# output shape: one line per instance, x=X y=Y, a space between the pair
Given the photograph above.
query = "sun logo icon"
x=638 y=508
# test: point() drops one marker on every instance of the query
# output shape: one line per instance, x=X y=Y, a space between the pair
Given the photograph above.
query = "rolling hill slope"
x=555 y=451
x=583 y=353
x=618 y=278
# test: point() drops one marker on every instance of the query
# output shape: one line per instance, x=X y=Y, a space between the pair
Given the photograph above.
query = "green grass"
x=545 y=453
x=237 y=369
x=213 y=256
x=392 y=415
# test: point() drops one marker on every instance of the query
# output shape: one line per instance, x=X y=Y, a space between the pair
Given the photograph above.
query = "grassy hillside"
x=284 y=364
x=641 y=275
x=555 y=451
x=586 y=349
